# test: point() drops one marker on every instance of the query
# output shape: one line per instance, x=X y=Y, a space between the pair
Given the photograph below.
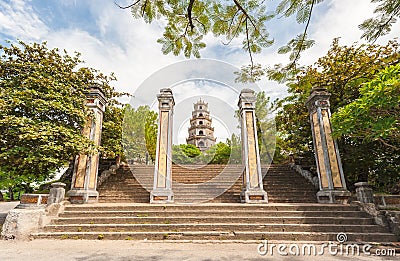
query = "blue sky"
x=111 y=40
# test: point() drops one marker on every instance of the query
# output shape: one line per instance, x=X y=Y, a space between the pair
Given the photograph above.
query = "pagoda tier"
x=201 y=133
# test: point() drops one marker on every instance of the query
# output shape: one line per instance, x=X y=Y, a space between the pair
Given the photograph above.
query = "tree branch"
x=387 y=144
x=129 y=6
x=248 y=47
x=189 y=12
x=233 y=18
x=144 y=7
x=240 y=7
x=387 y=22
x=293 y=64
x=236 y=31
x=203 y=25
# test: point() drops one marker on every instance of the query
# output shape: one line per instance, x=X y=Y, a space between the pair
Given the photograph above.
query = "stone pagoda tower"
x=201 y=134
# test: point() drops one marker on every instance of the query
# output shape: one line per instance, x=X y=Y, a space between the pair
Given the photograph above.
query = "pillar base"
x=254 y=196
x=333 y=196
x=82 y=196
x=161 y=196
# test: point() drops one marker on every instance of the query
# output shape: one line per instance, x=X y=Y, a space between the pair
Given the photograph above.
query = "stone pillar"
x=57 y=193
x=364 y=192
x=84 y=179
x=332 y=184
x=253 y=191
x=162 y=188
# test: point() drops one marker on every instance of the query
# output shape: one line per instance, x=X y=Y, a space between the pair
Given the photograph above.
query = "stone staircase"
x=215 y=221
x=292 y=213
x=213 y=183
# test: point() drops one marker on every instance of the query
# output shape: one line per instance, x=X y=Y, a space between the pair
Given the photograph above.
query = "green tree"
x=42 y=111
x=186 y=154
x=236 y=149
x=188 y=22
x=343 y=71
x=265 y=127
x=111 y=136
x=139 y=133
x=374 y=118
x=222 y=153
x=151 y=129
x=375 y=115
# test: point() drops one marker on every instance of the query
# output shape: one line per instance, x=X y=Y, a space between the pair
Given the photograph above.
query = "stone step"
x=280 y=191
x=191 y=213
x=215 y=227
x=215 y=219
x=218 y=235
x=282 y=184
x=199 y=200
x=189 y=197
x=132 y=197
x=203 y=187
x=212 y=207
x=195 y=191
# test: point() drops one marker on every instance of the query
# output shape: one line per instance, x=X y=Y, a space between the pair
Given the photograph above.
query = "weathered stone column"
x=57 y=193
x=84 y=179
x=330 y=172
x=162 y=188
x=364 y=192
x=253 y=191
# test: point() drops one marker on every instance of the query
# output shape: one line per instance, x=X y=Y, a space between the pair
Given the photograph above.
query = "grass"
x=391 y=208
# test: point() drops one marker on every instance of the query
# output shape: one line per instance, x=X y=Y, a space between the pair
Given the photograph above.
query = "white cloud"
x=18 y=20
x=341 y=20
x=128 y=47
x=125 y=46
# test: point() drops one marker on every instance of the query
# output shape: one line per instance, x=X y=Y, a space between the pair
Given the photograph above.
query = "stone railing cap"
x=361 y=184
x=58 y=185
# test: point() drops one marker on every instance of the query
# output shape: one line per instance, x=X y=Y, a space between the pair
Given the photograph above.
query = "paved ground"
x=50 y=250
x=5 y=207
x=82 y=250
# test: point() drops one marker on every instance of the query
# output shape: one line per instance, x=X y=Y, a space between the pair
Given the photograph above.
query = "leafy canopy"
x=187 y=22
x=348 y=73
x=375 y=115
x=42 y=110
x=139 y=133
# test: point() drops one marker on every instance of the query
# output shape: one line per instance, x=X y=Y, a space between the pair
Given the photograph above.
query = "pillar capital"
x=319 y=97
x=166 y=100
x=95 y=98
x=247 y=99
